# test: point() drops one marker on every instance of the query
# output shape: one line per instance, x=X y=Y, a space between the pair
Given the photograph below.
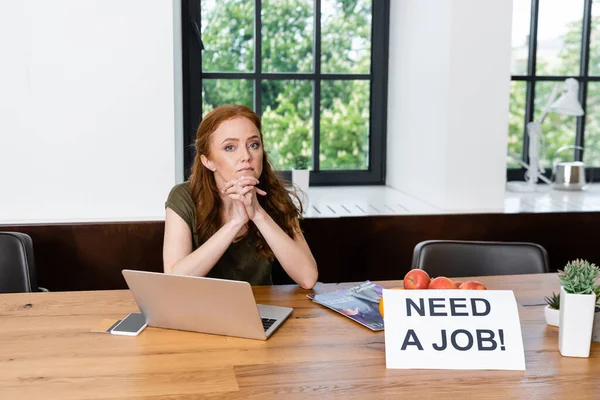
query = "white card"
x=452 y=329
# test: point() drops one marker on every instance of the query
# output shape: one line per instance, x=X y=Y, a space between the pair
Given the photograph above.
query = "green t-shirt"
x=239 y=261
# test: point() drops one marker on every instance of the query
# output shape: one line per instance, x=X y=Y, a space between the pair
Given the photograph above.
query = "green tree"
x=287 y=47
x=516 y=120
x=559 y=130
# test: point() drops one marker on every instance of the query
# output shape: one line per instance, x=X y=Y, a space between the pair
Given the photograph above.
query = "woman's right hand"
x=242 y=191
x=239 y=214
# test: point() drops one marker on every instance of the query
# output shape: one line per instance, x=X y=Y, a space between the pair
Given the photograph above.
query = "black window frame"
x=592 y=174
x=192 y=90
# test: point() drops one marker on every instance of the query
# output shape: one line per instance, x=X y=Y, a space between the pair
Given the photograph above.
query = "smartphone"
x=131 y=325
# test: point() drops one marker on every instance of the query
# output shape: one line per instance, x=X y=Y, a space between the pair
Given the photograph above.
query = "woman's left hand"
x=245 y=191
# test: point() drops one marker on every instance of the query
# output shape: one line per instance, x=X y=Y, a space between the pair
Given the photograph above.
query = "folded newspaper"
x=359 y=303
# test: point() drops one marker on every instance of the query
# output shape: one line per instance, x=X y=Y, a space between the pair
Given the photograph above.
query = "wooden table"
x=48 y=351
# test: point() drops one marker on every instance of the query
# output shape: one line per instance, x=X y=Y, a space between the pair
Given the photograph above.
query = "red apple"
x=416 y=279
x=441 y=282
x=472 y=285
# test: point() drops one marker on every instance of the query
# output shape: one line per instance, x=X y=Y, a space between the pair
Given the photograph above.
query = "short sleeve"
x=180 y=200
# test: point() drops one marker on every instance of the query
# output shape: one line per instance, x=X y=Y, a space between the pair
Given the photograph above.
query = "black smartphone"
x=131 y=325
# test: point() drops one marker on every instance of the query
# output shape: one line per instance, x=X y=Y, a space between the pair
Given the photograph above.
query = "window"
x=314 y=70
x=553 y=40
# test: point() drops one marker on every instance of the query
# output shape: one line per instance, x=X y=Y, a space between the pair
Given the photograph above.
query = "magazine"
x=359 y=303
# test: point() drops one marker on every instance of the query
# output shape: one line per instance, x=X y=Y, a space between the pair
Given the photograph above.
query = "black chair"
x=454 y=258
x=17 y=266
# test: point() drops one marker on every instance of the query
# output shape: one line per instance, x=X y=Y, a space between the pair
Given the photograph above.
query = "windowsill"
x=359 y=201
x=356 y=201
x=551 y=200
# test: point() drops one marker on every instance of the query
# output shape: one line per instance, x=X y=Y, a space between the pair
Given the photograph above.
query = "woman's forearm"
x=296 y=260
x=203 y=259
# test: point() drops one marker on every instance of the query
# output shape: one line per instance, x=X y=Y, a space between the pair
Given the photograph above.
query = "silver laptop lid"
x=198 y=304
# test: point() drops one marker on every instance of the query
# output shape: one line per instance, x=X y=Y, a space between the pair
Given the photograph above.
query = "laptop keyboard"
x=267 y=323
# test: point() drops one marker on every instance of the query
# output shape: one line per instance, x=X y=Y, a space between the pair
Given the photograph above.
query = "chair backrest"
x=17 y=268
x=453 y=258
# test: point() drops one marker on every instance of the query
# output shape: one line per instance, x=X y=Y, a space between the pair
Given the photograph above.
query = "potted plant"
x=577 y=306
x=301 y=174
x=552 y=309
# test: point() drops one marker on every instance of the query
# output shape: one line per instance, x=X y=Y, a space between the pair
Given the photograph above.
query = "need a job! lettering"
x=459 y=339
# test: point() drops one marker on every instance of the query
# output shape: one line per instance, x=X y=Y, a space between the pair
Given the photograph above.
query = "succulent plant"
x=553 y=301
x=579 y=277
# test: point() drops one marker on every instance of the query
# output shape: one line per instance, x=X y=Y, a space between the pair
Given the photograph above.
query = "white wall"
x=419 y=69
x=449 y=81
x=87 y=117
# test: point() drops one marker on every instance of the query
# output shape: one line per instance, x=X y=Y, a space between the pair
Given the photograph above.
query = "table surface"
x=48 y=351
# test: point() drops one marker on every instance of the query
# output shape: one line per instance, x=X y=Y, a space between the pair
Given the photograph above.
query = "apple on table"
x=419 y=279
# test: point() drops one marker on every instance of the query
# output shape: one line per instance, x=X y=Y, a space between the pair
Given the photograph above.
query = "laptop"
x=199 y=304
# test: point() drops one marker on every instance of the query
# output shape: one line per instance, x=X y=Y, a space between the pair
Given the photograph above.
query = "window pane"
x=520 y=36
x=516 y=122
x=287 y=121
x=216 y=92
x=344 y=125
x=591 y=155
x=595 y=39
x=559 y=37
x=227 y=35
x=558 y=130
x=287 y=35
x=346 y=36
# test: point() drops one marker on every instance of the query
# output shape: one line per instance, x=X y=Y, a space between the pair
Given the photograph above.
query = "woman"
x=234 y=216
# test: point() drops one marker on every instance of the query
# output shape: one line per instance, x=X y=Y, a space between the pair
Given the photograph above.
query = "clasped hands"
x=243 y=192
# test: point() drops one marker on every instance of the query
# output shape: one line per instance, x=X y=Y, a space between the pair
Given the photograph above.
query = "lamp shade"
x=567 y=103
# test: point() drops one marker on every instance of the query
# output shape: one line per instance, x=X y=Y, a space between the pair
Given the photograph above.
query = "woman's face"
x=235 y=150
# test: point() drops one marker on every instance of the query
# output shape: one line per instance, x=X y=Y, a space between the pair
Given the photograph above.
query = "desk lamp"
x=567 y=104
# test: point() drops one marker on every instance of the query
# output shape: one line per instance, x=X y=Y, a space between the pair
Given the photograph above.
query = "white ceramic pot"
x=552 y=316
x=575 y=323
x=300 y=178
